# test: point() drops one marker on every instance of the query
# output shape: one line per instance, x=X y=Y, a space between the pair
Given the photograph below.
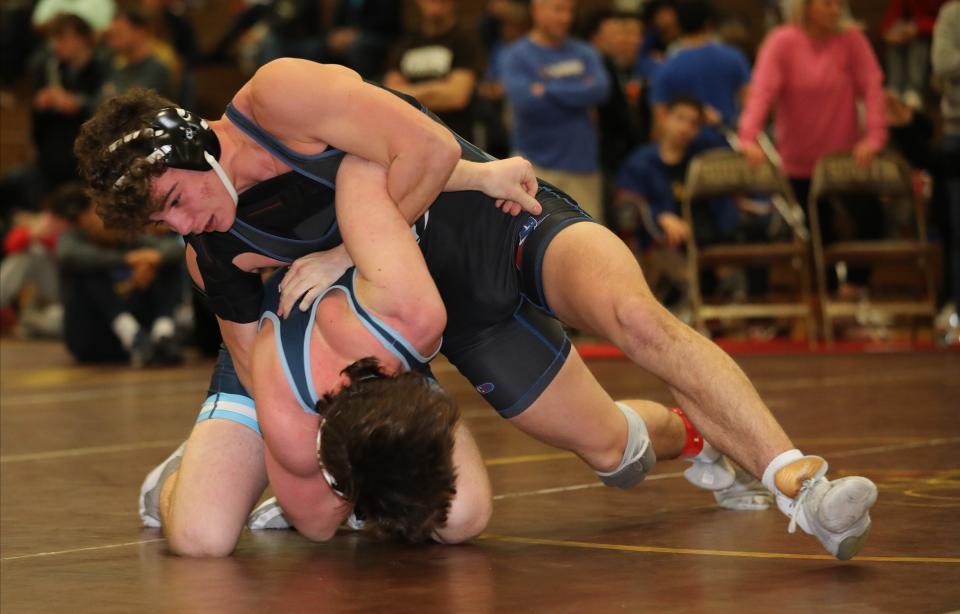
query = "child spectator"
x=67 y=78
x=118 y=296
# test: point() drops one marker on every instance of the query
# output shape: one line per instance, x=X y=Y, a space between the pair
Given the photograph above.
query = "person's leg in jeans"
x=90 y=308
x=154 y=308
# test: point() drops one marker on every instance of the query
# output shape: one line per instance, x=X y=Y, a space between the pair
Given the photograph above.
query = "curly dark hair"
x=126 y=207
x=387 y=442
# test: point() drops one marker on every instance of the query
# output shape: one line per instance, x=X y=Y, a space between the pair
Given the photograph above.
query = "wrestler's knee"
x=199 y=539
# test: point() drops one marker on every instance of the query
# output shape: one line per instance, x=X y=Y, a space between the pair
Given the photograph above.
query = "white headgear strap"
x=323 y=470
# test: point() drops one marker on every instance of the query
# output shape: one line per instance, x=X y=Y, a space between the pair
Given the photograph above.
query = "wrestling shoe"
x=153 y=484
x=746 y=494
x=710 y=473
x=269 y=515
x=142 y=350
x=836 y=512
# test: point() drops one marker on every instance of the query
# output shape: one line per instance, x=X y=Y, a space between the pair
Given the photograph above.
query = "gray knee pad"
x=638 y=456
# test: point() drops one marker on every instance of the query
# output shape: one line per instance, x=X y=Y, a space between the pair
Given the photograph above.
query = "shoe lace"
x=805 y=489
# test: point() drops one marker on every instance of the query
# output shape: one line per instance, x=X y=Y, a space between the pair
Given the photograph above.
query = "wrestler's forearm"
x=466 y=175
x=415 y=177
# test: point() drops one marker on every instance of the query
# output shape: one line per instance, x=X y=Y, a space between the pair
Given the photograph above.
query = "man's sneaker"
x=153 y=484
x=141 y=353
x=166 y=353
x=269 y=515
x=836 y=512
x=710 y=475
x=746 y=494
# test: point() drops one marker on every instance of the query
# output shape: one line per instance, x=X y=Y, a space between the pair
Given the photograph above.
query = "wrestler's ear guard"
x=184 y=138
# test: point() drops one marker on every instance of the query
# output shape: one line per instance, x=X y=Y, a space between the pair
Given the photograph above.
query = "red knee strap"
x=694 y=443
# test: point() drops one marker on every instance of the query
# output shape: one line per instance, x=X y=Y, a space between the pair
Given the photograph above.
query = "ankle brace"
x=695 y=446
x=638 y=456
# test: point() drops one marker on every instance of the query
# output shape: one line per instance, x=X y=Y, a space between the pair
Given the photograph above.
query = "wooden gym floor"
x=76 y=442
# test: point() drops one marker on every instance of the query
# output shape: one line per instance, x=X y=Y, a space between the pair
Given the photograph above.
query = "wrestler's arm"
x=304 y=102
x=392 y=277
x=421 y=156
x=308 y=502
x=237 y=336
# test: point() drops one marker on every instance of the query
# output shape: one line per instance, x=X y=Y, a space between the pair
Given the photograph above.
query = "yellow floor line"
x=73 y=550
x=696 y=552
x=528 y=458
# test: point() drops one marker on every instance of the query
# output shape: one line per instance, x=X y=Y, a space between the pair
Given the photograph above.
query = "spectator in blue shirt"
x=711 y=72
x=553 y=82
x=653 y=176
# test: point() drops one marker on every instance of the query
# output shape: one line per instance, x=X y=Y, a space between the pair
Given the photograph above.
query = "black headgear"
x=176 y=137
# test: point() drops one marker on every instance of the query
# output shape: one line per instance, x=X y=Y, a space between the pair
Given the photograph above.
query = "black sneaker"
x=166 y=353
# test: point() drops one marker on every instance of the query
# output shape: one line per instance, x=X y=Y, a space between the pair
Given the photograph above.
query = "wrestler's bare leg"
x=205 y=503
x=594 y=283
x=575 y=413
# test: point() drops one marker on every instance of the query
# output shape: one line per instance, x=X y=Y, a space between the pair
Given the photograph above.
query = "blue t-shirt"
x=662 y=186
x=713 y=74
x=554 y=130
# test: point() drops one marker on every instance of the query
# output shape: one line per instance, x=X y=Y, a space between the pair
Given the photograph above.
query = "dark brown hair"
x=126 y=207
x=69 y=201
x=387 y=442
x=68 y=21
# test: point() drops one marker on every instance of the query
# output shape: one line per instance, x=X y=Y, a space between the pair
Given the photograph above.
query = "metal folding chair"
x=722 y=172
x=889 y=177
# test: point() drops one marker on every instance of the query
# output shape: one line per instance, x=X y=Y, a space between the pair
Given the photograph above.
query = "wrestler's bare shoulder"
x=290 y=97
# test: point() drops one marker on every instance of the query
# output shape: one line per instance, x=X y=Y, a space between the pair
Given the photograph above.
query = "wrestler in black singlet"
x=486 y=265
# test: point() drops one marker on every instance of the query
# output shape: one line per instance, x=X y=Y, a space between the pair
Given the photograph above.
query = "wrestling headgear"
x=179 y=139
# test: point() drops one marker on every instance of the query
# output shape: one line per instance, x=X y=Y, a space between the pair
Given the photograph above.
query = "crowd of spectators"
x=609 y=104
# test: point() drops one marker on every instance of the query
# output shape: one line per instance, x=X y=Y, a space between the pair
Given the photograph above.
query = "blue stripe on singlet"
x=388 y=336
x=292 y=337
x=321 y=167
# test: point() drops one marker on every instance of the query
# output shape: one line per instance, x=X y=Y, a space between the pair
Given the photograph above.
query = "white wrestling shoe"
x=836 y=512
x=269 y=515
x=746 y=494
x=710 y=474
x=153 y=484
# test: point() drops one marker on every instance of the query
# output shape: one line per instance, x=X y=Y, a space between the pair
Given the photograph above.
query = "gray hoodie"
x=945 y=56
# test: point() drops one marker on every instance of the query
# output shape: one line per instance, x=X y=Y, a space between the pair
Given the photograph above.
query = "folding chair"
x=722 y=172
x=889 y=177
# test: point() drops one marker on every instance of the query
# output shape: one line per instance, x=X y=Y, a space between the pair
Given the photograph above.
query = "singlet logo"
x=486 y=388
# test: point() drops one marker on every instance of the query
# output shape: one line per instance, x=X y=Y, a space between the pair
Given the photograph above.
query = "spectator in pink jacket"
x=813 y=71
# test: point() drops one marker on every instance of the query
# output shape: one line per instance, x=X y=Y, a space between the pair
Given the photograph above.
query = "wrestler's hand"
x=512 y=183
x=309 y=276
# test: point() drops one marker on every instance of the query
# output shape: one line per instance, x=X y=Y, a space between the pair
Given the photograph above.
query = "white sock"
x=126 y=327
x=162 y=327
